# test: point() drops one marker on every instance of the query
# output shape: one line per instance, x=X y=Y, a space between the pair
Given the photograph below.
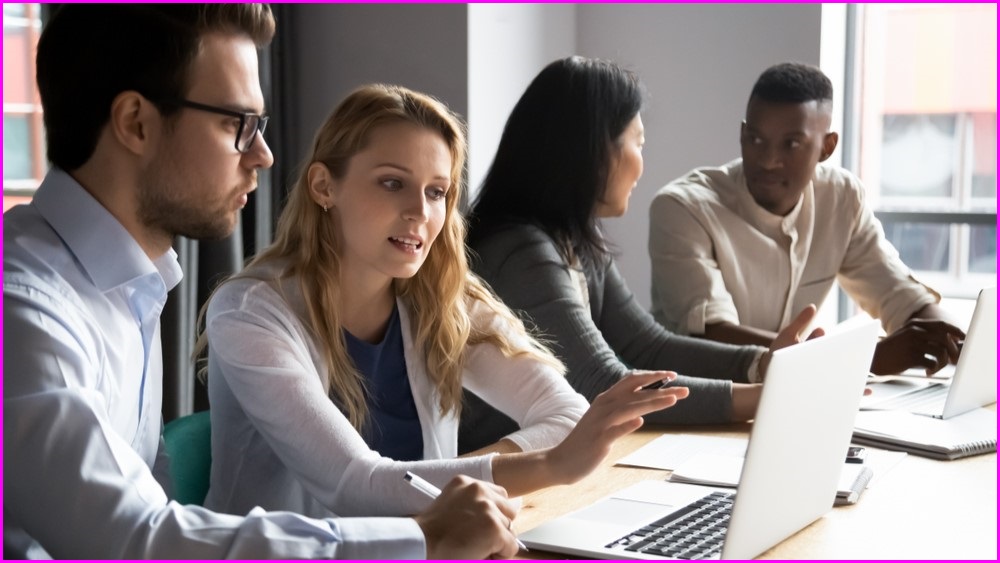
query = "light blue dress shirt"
x=83 y=376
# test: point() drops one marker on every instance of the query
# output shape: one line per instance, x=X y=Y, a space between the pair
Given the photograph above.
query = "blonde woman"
x=337 y=359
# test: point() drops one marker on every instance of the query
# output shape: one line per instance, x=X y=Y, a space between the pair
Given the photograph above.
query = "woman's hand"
x=613 y=414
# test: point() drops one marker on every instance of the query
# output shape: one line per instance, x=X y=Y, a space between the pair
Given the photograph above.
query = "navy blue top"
x=393 y=429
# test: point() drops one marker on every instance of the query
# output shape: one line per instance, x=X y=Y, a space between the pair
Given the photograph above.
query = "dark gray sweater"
x=600 y=345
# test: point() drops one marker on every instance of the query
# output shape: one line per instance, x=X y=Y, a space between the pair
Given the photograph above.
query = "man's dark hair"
x=793 y=83
x=551 y=167
x=88 y=54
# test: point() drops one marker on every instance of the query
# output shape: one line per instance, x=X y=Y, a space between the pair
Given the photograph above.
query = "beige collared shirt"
x=717 y=256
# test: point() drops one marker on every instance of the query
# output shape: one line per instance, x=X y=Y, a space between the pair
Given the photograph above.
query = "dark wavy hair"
x=551 y=168
x=90 y=53
x=792 y=83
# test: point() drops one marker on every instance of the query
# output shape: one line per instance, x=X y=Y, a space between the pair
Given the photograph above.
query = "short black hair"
x=551 y=167
x=90 y=53
x=792 y=83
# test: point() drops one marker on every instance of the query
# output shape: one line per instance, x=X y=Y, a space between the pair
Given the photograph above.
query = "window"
x=24 y=162
x=926 y=148
x=16 y=145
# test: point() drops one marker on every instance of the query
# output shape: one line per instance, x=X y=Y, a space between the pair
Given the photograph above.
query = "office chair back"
x=188 y=441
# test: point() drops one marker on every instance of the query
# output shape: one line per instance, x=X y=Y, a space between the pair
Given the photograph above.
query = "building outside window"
x=926 y=146
x=24 y=162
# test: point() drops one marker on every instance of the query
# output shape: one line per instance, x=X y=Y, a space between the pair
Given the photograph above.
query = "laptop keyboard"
x=929 y=400
x=696 y=531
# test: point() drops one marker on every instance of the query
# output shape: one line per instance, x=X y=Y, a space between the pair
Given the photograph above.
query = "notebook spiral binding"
x=978 y=447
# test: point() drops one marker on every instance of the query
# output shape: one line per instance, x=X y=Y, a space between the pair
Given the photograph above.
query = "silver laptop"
x=973 y=385
x=793 y=463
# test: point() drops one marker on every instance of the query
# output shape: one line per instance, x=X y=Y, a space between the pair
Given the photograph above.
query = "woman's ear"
x=320 y=185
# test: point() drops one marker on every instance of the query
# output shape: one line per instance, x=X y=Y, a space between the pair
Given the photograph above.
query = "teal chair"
x=188 y=441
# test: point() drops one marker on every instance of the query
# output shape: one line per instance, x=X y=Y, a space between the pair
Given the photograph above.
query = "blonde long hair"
x=439 y=296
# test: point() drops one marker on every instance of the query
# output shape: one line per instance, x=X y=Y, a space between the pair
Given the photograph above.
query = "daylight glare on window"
x=23 y=134
x=927 y=76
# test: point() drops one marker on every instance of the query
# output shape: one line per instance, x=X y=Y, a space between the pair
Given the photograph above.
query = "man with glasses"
x=246 y=133
x=153 y=117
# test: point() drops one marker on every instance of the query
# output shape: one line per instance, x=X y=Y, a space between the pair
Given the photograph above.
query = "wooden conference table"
x=920 y=509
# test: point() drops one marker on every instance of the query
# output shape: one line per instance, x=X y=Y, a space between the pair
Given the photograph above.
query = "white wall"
x=338 y=47
x=699 y=63
x=508 y=45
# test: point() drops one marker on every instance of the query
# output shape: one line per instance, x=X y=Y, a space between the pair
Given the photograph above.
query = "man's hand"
x=790 y=335
x=927 y=343
x=470 y=520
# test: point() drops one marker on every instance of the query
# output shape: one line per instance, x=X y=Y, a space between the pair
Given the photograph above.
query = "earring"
x=324 y=208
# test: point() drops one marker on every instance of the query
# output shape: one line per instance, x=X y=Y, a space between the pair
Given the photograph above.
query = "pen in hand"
x=421 y=484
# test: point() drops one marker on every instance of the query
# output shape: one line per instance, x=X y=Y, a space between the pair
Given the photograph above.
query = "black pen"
x=661 y=384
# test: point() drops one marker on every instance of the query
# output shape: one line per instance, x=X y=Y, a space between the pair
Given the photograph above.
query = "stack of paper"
x=724 y=471
x=718 y=462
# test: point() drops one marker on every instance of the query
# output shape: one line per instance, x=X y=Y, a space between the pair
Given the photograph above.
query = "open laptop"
x=973 y=385
x=790 y=475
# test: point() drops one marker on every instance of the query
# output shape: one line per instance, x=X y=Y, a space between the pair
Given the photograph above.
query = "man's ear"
x=321 y=185
x=829 y=145
x=133 y=120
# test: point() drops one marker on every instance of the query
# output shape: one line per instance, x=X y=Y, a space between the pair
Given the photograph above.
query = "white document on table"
x=671 y=450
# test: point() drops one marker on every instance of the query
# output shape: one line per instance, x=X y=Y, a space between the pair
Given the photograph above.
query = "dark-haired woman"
x=570 y=154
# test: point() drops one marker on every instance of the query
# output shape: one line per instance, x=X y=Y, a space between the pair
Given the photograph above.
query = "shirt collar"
x=765 y=218
x=105 y=249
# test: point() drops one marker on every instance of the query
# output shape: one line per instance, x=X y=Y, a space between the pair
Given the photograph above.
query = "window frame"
x=895 y=209
x=25 y=187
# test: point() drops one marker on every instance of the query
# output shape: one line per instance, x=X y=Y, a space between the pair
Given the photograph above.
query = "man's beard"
x=163 y=206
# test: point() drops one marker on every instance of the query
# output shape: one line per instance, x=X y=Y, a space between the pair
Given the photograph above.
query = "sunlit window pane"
x=983 y=249
x=14 y=10
x=16 y=145
x=919 y=154
x=927 y=137
x=984 y=156
x=922 y=246
x=24 y=161
x=18 y=68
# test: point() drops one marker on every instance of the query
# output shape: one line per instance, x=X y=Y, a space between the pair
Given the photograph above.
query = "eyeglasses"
x=250 y=123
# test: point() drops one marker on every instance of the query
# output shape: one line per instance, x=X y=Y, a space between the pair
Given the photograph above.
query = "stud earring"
x=324 y=208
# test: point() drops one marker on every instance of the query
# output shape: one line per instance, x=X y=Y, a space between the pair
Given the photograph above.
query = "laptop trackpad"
x=611 y=518
x=642 y=503
x=620 y=510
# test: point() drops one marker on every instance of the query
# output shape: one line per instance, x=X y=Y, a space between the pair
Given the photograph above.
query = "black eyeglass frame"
x=245 y=118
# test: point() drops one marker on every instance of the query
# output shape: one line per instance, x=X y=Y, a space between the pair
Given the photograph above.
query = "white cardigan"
x=279 y=442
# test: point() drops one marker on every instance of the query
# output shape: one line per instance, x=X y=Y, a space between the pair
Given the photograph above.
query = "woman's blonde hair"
x=439 y=297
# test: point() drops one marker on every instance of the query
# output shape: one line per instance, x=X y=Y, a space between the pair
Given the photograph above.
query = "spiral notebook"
x=970 y=433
